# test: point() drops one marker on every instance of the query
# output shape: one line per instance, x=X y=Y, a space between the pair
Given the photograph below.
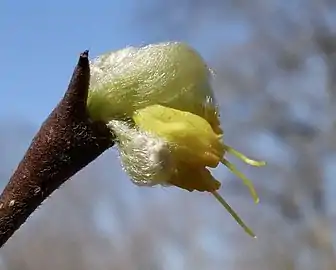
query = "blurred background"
x=275 y=64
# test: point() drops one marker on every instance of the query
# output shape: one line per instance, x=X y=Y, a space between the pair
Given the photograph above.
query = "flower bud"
x=159 y=103
x=171 y=74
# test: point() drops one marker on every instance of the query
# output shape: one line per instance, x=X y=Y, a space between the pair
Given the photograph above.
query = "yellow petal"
x=192 y=137
x=190 y=177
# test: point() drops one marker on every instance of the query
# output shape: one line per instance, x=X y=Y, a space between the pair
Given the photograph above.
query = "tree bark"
x=66 y=142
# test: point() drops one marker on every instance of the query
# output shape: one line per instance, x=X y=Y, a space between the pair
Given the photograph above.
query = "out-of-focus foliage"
x=275 y=64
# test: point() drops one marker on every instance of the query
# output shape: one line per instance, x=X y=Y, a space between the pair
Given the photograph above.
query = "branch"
x=66 y=142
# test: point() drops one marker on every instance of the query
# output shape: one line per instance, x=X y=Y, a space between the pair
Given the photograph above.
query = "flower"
x=193 y=147
x=158 y=102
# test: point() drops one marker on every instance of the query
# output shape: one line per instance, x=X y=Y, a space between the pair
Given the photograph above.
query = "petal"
x=190 y=136
x=190 y=177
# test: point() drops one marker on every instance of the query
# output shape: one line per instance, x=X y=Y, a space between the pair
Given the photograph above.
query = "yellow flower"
x=159 y=103
x=193 y=146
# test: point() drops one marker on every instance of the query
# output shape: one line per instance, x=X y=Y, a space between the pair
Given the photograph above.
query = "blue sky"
x=33 y=32
x=40 y=44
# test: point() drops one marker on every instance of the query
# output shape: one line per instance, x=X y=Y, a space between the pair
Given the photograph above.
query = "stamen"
x=222 y=201
x=245 y=180
x=244 y=158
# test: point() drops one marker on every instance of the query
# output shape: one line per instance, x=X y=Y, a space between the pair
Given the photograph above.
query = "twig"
x=66 y=142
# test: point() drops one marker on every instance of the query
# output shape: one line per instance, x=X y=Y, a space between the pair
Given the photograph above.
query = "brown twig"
x=66 y=142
